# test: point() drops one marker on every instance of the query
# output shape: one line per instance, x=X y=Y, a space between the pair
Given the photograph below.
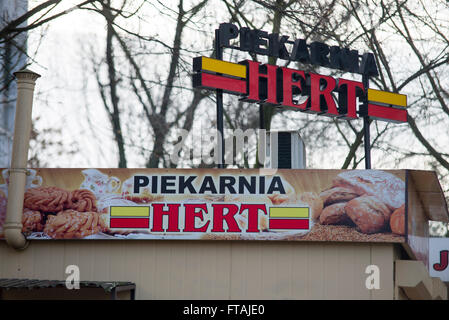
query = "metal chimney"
x=285 y=150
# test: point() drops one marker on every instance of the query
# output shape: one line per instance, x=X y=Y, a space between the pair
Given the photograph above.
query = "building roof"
x=431 y=195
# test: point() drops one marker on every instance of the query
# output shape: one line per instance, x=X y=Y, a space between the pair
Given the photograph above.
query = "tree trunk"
x=115 y=112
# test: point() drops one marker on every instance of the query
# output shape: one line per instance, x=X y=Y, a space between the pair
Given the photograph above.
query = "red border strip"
x=289 y=224
x=139 y=223
x=220 y=82
x=387 y=113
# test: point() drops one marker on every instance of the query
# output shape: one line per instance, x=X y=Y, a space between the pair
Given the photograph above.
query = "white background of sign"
x=436 y=245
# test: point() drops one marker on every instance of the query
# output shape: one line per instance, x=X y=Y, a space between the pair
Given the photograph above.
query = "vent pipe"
x=26 y=80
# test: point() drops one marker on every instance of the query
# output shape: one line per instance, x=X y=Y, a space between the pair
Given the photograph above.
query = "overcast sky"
x=67 y=97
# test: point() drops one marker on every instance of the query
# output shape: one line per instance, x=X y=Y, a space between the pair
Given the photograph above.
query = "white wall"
x=212 y=269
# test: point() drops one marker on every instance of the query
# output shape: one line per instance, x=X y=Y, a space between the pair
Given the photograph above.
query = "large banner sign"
x=212 y=204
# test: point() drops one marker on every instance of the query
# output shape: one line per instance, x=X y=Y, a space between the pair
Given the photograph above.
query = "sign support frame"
x=219 y=100
x=220 y=156
x=366 y=124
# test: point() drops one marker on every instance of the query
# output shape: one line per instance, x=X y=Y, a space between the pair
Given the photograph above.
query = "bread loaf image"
x=377 y=183
x=369 y=213
x=335 y=214
x=338 y=194
x=365 y=198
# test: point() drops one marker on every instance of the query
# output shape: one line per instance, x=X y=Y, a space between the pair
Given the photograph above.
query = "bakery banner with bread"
x=212 y=204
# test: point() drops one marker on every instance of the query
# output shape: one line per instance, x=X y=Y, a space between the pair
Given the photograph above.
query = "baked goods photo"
x=369 y=213
x=32 y=221
x=46 y=199
x=335 y=214
x=397 y=221
x=337 y=194
x=378 y=183
x=364 y=200
x=71 y=224
x=81 y=200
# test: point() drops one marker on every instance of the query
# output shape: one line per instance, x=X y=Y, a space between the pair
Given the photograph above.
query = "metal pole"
x=220 y=138
x=259 y=144
x=261 y=117
x=366 y=131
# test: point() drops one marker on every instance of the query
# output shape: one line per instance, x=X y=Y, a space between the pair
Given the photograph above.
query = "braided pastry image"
x=32 y=221
x=46 y=199
x=71 y=224
x=81 y=200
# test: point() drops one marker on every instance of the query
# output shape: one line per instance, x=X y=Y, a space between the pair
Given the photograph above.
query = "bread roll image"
x=377 y=183
x=337 y=194
x=397 y=221
x=370 y=214
x=335 y=214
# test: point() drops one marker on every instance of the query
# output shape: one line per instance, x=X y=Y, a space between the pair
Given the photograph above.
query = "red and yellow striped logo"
x=288 y=218
x=387 y=106
x=218 y=74
x=130 y=217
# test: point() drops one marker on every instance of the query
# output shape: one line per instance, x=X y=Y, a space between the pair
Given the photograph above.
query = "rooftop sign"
x=316 y=53
x=285 y=87
x=296 y=89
